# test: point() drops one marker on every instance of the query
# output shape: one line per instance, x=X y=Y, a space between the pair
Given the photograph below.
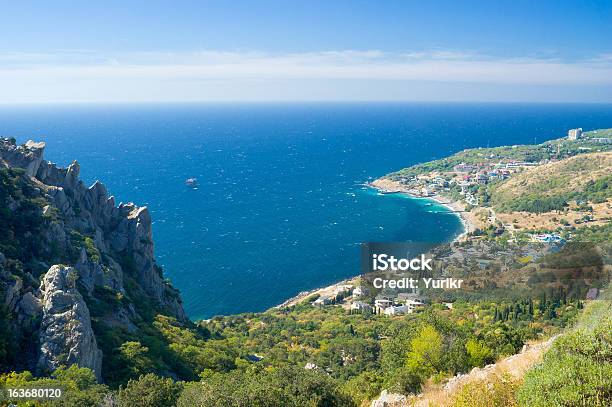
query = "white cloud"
x=90 y=76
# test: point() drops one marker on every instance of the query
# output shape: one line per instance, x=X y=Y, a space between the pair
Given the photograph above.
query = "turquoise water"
x=280 y=207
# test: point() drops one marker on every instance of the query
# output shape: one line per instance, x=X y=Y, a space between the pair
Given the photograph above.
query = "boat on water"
x=191 y=182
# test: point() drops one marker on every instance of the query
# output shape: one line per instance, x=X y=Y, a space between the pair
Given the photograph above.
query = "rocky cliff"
x=72 y=264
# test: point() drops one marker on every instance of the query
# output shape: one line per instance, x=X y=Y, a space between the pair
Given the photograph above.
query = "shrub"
x=291 y=387
x=577 y=371
x=149 y=391
x=496 y=391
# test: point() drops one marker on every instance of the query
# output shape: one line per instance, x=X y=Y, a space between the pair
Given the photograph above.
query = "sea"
x=279 y=206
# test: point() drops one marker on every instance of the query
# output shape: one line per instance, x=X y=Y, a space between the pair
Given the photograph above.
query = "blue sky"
x=147 y=51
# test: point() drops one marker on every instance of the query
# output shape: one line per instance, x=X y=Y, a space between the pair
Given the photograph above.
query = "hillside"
x=532 y=153
x=585 y=178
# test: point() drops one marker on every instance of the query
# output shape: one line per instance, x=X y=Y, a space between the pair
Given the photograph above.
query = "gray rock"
x=92 y=274
x=72 y=175
x=66 y=336
x=29 y=156
x=387 y=399
x=12 y=293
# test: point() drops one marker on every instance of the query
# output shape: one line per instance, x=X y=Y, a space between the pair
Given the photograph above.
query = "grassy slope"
x=565 y=179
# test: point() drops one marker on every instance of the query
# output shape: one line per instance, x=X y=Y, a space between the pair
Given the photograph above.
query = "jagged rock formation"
x=108 y=251
x=66 y=336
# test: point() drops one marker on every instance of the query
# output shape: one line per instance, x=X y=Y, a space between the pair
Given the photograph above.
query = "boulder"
x=387 y=399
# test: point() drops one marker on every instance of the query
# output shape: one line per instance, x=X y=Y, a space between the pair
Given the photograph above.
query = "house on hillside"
x=321 y=301
x=361 y=307
x=380 y=304
x=398 y=310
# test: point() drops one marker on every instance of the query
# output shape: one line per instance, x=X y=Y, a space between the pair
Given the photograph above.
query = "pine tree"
x=542 y=305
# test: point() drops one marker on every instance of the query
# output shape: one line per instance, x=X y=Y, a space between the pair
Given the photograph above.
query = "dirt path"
x=443 y=394
x=515 y=365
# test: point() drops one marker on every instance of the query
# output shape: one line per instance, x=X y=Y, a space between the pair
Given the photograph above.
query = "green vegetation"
x=494 y=392
x=20 y=219
x=78 y=385
x=353 y=357
x=577 y=371
x=150 y=391
x=290 y=386
x=553 y=190
x=601 y=234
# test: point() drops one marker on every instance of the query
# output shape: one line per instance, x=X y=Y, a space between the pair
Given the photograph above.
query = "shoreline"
x=388 y=187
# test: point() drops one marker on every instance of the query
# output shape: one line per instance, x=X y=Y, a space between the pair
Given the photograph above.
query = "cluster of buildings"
x=576 y=134
x=400 y=304
x=491 y=168
x=425 y=185
x=463 y=175
x=387 y=304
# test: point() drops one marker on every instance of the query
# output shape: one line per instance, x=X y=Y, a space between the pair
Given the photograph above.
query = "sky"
x=223 y=51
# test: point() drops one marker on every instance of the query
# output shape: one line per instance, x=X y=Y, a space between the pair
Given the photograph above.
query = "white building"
x=415 y=303
x=358 y=292
x=574 y=134
x=360 y=306
x=319 y=302
x=398 y=310
x=382 y=303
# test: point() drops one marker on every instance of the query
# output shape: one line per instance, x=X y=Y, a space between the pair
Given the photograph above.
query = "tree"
x=426 y=352
x=289 y=386
x=364 y=387
x=137 y=361
x=78 y=384
x=150 y=391
x=478 y=353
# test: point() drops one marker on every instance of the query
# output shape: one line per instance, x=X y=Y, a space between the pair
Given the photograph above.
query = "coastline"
x=387 y=186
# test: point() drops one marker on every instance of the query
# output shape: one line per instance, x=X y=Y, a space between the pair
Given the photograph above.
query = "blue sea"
x=280 y=207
